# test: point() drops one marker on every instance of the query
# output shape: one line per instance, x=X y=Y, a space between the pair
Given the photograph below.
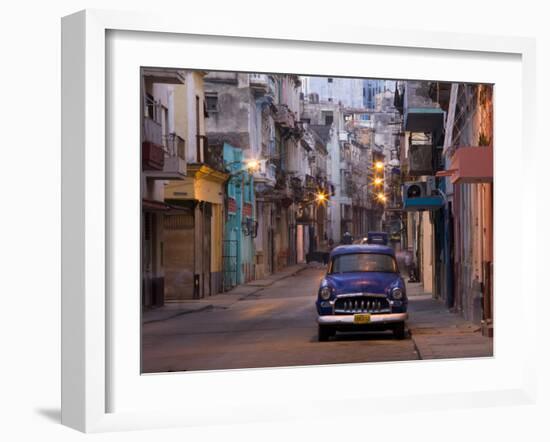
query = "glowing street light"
x=378 y=181
x=381 y=197
x=379 y=165
x=252 y=165
x=321 y=197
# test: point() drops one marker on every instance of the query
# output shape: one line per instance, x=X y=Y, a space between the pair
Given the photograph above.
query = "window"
x=329 y=118
x=211 y=102
x=363 y=262
x=329 y=80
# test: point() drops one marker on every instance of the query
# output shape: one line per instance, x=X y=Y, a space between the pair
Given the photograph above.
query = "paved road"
x=273 y=327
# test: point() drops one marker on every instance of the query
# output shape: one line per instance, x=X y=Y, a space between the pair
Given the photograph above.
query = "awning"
x=162 y=75
x=154 y=206
x=471 y=165
x=428 y=119
x=148 y=205
x=424 y=203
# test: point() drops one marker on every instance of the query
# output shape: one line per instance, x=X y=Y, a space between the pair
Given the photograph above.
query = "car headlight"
x=325 y=293
x=397 y=293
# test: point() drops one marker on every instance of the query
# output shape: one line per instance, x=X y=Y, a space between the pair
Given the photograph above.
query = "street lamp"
x=252 y=165
x=321 y=197
x=379 y=165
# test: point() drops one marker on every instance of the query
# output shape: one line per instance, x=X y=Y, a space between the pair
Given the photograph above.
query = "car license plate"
x=361 y=318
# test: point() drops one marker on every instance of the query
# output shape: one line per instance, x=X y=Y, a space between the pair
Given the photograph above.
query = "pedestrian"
x=347 y=238
x=409 y=264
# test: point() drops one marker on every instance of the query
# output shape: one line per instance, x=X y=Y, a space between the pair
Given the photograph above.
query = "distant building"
x=371 y=88
x=347 y=92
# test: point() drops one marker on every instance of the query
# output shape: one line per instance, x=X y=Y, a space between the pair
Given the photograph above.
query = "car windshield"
x=363 y=262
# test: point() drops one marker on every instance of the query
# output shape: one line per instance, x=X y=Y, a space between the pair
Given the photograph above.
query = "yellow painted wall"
x=217 y=237
x=427 y=258
x=206 y=190
x=192 y=188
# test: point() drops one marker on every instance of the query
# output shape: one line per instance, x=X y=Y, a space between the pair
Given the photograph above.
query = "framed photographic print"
x=263 y=224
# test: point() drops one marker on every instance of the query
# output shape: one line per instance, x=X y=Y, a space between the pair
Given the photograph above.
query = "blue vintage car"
x=362 y=290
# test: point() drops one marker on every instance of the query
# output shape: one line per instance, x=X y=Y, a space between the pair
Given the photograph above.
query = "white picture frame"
x=87 y=353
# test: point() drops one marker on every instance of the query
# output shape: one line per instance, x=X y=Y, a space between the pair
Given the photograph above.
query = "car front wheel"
x=325 y=333
x=399 y=330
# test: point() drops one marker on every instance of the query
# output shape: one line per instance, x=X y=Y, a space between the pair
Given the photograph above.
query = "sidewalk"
x=440 y=334
x=220 y=300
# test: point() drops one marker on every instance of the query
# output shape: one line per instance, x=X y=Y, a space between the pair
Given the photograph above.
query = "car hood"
x=372 y=282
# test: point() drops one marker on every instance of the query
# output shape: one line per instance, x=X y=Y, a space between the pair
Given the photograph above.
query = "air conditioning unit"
x=416 y=189
x=422 y=195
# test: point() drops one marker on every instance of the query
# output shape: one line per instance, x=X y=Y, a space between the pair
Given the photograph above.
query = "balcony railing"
x=175 y=145
x=209 y=154
x=310 y=182
x=152 y=131
x=174 y=161
x=266 y=174
x=297 y=188
x=152 y=148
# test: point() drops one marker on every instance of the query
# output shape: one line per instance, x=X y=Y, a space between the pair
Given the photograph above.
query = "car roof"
x=362 y=248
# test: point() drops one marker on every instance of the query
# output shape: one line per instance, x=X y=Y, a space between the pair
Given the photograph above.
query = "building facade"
x=260 y=115
x=447 y=144
x=194 y=223
x=162 y=158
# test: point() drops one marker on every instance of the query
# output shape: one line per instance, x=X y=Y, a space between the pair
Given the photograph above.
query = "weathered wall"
x=232 y=122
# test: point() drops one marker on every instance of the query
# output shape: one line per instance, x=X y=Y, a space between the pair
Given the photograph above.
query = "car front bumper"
x=380 y=319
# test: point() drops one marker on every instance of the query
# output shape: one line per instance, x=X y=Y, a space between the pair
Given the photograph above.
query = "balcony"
x=210 y=155
x=310 y=182
x=297 y=189
x=152 y=149
x=284 y=117
x=266 y=174
x=164 y=160
x=261 y=84
x=175 y=166
x=471 y=165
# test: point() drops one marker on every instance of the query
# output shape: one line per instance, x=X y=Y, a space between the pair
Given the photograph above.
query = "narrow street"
x=273 y=324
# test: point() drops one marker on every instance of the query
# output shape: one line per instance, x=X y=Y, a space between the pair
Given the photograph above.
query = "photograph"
x=291 y=220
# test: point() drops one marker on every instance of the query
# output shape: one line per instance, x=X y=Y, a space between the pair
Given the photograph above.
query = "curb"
x=181 y=313
x=211 y=306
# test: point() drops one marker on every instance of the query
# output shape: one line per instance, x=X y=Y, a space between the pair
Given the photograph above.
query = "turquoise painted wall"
x=240 y=188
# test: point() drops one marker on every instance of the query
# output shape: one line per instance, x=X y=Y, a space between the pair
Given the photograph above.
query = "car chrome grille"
x=361 y=304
